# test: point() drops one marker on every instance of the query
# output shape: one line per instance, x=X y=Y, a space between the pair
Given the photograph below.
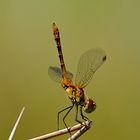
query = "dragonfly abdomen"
x=58 y=42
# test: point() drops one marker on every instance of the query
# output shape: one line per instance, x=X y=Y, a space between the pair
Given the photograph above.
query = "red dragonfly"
x=89 y=62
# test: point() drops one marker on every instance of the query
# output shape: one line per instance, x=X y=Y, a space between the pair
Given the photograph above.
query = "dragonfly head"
x=89 y=106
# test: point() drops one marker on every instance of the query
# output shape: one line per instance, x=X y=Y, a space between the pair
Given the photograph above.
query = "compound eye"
x=90 y=106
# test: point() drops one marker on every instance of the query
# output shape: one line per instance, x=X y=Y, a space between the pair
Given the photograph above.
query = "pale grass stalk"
x=81 y=129
x=16 y=124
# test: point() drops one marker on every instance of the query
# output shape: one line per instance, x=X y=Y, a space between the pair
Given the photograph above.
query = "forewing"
x=55 y=74
x=89 y=62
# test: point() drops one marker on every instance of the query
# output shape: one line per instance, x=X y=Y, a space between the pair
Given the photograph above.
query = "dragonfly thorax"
x=75 y=94
x=65 y=83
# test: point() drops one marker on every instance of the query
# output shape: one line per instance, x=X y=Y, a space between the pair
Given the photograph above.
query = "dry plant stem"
x=81 y=131
x=16 y=124
x=60 y=132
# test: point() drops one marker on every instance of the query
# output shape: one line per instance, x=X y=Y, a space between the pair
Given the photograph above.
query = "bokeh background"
x=27 y=49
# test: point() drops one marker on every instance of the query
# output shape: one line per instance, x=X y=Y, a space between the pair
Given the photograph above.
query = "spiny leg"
x=82 y=115
x=58 y=114
x=76 y=115
x=70 y=108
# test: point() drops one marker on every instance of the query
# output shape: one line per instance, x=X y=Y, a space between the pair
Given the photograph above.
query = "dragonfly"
x=89 y=62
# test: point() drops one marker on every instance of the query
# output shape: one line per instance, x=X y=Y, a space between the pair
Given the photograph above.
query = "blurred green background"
x=27 y=49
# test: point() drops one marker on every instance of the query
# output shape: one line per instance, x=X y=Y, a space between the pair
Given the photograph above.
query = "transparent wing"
x=89 y=62
x=55 y=74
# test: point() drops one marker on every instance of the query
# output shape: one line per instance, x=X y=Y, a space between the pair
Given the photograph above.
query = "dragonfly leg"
x=82 y=115
x=69 y=107
x=76 y=115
